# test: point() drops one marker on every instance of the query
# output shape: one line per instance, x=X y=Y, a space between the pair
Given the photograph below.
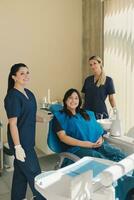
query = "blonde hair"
x=102 y=78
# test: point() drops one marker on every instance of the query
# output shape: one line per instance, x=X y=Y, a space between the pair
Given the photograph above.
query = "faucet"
x=105 y=114
x=99 y=115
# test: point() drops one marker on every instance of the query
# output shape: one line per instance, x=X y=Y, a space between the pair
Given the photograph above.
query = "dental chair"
x=123 y=142
x=88 y=178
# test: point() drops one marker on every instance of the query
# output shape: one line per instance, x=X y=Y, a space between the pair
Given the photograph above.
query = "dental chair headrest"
x=55 y=107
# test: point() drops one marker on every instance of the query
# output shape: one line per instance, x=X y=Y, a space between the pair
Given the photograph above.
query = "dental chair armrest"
x=123 y=142
x=68 y=155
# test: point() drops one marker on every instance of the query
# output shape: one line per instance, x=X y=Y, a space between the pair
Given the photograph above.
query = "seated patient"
x=80 y=133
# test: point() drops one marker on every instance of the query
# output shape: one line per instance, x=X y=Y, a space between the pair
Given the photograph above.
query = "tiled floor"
x=46 y=162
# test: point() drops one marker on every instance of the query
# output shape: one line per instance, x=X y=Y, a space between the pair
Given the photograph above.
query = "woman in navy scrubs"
x=78 y=131
x=97 y=88
x=20 y=106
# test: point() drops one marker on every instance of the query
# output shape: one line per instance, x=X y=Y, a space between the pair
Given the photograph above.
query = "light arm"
x=112 y=100
x=47 y=118
x=19 y=151
x=74 y=142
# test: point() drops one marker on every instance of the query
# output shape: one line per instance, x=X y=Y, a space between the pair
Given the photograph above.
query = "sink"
x=105 y=123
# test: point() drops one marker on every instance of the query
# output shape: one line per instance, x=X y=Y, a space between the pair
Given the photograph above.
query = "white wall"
x=47 y=36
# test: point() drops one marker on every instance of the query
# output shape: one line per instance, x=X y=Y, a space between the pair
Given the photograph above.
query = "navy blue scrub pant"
x=24 y=173
x=106 y=151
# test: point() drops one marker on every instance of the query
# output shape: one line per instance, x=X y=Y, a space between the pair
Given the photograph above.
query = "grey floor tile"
x=5 y=196
x=47 y=163
x=4 y=188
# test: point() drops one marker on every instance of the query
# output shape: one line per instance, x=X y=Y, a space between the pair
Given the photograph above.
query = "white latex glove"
x=114 y=110
x=20 y=153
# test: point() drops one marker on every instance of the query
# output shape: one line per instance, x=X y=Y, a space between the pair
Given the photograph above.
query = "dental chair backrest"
x=53 y=140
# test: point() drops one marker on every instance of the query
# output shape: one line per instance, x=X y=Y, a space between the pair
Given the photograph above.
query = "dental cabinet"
x=41 y=135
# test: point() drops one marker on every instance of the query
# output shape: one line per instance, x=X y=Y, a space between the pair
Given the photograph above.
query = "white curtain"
x=119 y=55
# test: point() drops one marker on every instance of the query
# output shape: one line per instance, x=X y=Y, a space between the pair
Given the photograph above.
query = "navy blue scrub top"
x=95 y=96
x=18 y=105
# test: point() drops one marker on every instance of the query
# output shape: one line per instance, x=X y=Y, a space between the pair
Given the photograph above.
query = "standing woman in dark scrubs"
x=97 y=88
x=20 y=106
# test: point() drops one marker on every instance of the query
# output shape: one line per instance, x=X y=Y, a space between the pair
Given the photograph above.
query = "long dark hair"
x=14 y=69
x=78 y=109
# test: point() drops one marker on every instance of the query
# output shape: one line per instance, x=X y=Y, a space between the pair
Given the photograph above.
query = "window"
x=119 y=55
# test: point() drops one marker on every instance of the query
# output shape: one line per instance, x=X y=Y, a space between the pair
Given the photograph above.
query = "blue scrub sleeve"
x=110 y=87
x=12 y=106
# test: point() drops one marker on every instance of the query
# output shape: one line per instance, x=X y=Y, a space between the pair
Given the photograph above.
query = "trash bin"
x=8 y=157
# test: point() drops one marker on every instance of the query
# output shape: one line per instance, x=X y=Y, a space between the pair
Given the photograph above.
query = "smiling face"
x=22 y=77
x=95 y=66
x=72 y=102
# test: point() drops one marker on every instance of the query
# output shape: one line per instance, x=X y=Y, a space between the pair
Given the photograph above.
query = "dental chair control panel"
x=87 y=179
